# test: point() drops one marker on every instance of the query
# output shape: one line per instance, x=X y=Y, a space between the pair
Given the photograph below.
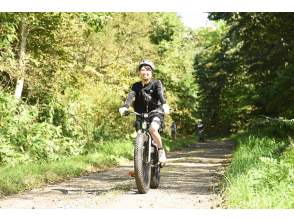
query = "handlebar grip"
x=125 y=113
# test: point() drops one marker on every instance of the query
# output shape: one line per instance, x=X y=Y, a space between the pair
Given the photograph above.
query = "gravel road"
x=189 y=180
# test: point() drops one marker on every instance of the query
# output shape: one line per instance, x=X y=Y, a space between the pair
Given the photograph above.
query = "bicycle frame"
x=145 y=127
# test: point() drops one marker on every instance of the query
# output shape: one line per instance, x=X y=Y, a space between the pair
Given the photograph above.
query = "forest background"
x=77 y=68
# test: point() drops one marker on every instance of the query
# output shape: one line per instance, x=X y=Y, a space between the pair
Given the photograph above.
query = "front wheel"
x=141 y=164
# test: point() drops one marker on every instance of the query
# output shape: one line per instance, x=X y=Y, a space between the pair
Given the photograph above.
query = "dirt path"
x=188 y=181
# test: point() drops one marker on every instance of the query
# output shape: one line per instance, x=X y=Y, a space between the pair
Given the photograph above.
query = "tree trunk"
x=22 y=52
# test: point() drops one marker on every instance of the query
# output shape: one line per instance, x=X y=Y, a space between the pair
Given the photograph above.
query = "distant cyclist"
x=173 y=130
x=200 y=131
x=200 y=126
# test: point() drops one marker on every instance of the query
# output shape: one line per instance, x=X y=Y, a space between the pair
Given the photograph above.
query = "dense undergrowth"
x=28 y=134
x=261 y=174
x=47 y=144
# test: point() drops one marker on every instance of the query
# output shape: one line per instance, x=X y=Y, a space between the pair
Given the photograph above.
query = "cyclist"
x=174 y=130
x=200 y=127
x=148 y=91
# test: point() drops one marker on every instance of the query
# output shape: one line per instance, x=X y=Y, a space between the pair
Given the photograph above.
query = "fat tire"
x=142 y=170
x=155 y=172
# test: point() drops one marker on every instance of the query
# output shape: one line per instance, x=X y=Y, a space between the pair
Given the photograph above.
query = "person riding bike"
x=148 y=91
x=173 y=130
x=200 y=128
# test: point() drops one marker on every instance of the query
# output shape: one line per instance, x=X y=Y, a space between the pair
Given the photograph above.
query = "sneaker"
x=161 y=156
x=132 y=172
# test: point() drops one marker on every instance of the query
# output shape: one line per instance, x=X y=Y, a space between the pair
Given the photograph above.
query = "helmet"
x=147 y=62
x=200 y=122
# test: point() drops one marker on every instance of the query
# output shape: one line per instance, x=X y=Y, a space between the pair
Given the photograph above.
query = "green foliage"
x=281 y=128
x=175 y=70
x=8 y=31
x=24 y=138
x=79 y=68
x=50 y=132
x=96 y=20
x=248 y=72
x=257 y=178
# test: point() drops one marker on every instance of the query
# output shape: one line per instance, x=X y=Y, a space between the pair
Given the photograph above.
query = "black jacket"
x=153 y=90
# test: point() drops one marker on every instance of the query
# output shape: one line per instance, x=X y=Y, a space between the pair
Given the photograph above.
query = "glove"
x=166 y=108
x=122 y=110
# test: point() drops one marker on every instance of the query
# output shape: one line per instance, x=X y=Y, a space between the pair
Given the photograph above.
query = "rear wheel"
x=200 y=137
x=155 y=172
x=141 y=165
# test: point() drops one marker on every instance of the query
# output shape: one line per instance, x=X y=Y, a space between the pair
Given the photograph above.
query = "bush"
x=25 y=136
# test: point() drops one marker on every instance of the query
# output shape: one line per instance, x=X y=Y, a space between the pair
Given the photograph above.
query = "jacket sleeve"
x=130 y=97
x=160 y=92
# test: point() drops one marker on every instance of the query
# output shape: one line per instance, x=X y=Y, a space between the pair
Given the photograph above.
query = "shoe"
x=132 y=172
x=161 y=156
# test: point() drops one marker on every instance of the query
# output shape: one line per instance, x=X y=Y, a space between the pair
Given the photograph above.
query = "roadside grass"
x=26 y=176
x=31 y=175
x=257 y=178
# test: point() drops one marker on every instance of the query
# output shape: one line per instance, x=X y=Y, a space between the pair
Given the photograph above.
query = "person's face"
x=146 y=73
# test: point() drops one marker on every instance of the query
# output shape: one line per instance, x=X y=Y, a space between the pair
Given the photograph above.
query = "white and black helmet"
x=147 y=62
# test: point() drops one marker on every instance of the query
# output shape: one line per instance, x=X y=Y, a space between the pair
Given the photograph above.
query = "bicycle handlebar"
x=126 y=113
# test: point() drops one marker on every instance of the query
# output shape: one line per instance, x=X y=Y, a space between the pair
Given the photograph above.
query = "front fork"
x=149 y=147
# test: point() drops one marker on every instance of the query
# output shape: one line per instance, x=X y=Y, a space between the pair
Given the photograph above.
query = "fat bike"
x=146 y=163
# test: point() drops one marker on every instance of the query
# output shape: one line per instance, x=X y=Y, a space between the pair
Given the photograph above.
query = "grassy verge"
x=257 y=178
x=30 y=175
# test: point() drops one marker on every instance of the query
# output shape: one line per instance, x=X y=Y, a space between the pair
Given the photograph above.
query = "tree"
x=250 y=75
x=22 y=52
